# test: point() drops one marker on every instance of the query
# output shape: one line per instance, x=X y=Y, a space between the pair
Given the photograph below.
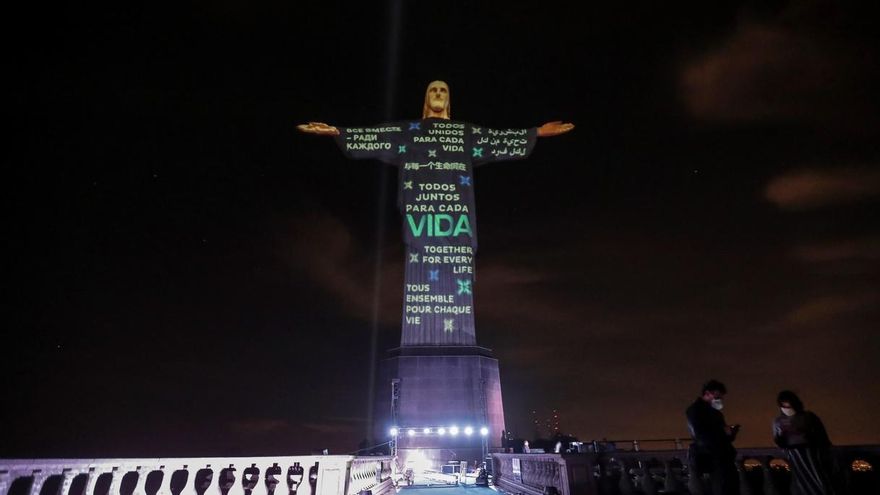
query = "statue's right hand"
x=318 y=128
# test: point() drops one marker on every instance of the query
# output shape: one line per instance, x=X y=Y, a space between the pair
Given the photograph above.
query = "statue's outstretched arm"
x=318 y=128
x=554 y=128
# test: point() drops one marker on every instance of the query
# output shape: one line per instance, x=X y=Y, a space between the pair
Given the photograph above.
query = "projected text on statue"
x=435 y=160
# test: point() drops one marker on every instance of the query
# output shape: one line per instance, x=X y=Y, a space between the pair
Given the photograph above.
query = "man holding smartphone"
x=712 y=450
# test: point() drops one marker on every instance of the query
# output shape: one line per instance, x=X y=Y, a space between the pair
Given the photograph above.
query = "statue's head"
x=437 y=101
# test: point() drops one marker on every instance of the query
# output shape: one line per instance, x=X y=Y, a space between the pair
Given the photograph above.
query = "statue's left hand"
x=554 y=128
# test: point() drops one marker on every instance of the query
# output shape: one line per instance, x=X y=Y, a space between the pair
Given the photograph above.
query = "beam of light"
x=441 y=431
x=393 y=432
x=468 y=431
x=426 y=431
x=411 y=432
x=392 y=56
x=484 y=431
x=453 y=430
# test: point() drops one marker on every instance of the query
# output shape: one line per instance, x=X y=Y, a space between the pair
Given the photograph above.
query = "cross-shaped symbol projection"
x=464 y=180
x=478 y=152
x=433 y=275
x=477 y=130
x=432 y=153
x=464 y=287
x=401 y=148
x=415 y=126
x=448 y=325
x=407 y=184
x=413 y=257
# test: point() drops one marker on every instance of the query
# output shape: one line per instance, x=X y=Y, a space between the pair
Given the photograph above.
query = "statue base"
x=435 y=389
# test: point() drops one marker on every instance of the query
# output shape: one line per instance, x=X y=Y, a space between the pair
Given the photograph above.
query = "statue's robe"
x=435 y=160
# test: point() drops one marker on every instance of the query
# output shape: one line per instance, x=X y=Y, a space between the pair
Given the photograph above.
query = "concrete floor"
x=447 y=490
x=439 y=484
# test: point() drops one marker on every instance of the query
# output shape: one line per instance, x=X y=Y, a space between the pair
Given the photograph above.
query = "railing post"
x=605 y=484
x=250 y=479
x=259 y=487
x=769 y=486
x=116 y=481
x=214 y=481
x=626 y=483
x=671 y=484
x=231 y=481
x=141 y=486
x=189 y=488
x=646 y=481
x=92 y=480
x=4 y=482
x=165 y=485
x=39 y=479
x=295 y=478
x=744 y=487
x=67 y=475
x=695 y=481
x=272 y=478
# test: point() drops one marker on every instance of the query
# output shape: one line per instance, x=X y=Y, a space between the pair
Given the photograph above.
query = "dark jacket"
x=707 y=427
x=804 y=429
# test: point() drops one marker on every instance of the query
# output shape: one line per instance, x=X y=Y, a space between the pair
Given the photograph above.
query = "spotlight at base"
x=393 y=432
x=468 y=431
x=411 y=432
x=484 y=431
x=441 y=431
x=453 y=430
x=426 y=431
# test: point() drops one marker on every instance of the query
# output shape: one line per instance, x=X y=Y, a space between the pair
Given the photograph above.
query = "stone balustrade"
x=534 y=474
x=300 y=475
x=761 y=471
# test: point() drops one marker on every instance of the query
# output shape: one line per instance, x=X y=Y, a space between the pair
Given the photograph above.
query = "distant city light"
x=468 y=431
x=426 y=431
x=411 y=432
x=484 y=431
x=393 y=432
x=441 y=431
x=453 y=430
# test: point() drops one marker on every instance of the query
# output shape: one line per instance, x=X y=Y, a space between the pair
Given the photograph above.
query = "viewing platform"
x=762 y=471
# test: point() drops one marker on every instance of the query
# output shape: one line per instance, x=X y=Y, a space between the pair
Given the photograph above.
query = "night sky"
x=191 y=276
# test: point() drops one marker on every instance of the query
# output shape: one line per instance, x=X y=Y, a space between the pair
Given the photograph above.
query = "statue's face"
x=437 y=96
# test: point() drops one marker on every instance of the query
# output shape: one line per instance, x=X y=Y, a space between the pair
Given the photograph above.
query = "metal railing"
x=625 y=472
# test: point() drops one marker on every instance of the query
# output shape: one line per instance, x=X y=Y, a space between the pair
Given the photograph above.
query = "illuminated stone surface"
x=442 y=387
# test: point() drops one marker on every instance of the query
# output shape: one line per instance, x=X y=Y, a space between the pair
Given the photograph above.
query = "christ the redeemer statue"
x=435 y=157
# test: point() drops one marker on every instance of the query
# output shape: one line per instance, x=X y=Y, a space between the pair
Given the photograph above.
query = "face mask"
x=788 y=411
x=717 y=404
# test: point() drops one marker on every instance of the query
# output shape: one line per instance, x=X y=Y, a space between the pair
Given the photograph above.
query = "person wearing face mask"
x=712 y=451
x=802 y=436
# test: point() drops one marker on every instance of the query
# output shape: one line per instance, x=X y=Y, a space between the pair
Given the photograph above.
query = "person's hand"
x=554 y=128
x=319 y=128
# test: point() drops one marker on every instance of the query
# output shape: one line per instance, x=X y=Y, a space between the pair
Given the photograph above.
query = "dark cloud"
x=840 y=250
x=332 y=258
x=794 y=67
x=335 y=427
x=259 y=426
x=831 y=307
x=814 y=188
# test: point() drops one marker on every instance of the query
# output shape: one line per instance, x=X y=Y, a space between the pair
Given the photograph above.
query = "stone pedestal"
x=441 y=386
